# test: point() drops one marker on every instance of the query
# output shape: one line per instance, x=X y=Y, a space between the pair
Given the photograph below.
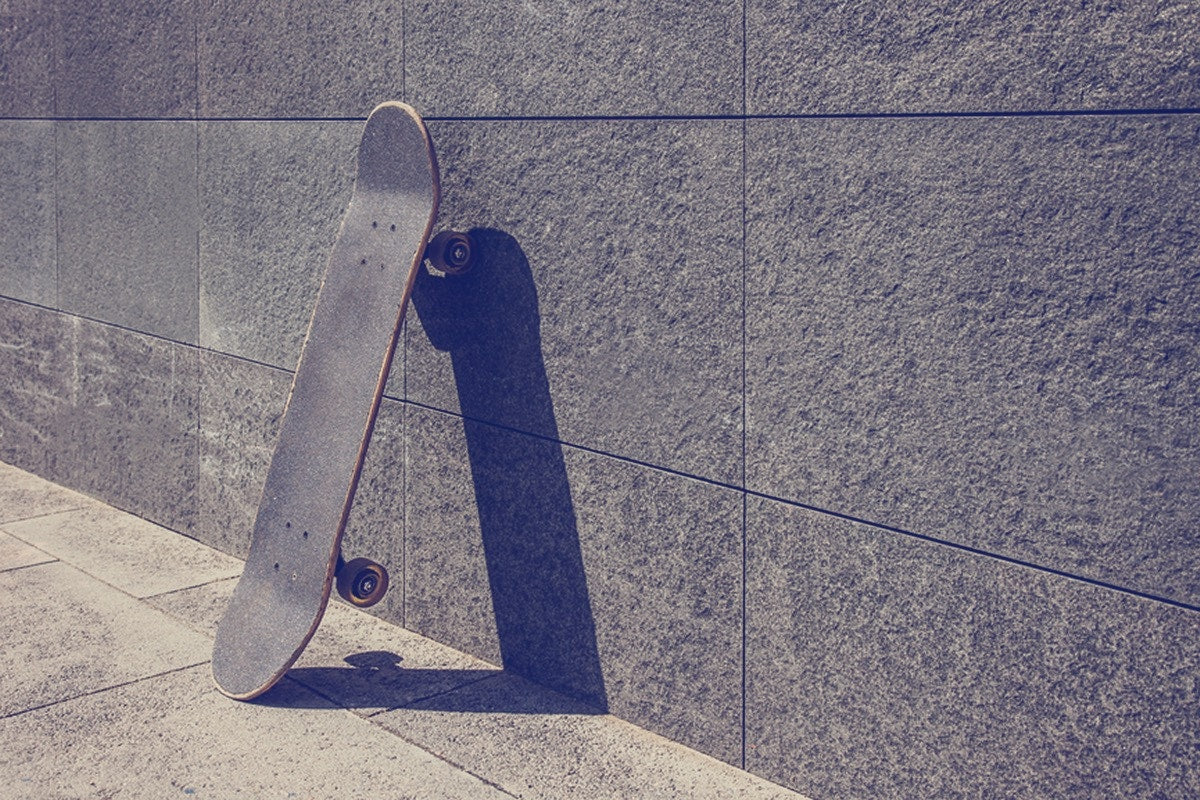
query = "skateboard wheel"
x=451 y=252
x=362 y=582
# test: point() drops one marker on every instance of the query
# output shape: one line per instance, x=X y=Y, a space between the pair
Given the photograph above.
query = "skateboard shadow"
x=488 y=321
x=378 y=680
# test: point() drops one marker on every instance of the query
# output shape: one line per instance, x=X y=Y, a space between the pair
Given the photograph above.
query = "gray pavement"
x=107 y=623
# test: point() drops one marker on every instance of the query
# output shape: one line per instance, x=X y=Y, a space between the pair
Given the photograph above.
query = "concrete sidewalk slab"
x=174 y=736
x=24 y=495
x=198 y=607
x=108 y=620
x=538 y=744
x=129 y=553
x=67 y=634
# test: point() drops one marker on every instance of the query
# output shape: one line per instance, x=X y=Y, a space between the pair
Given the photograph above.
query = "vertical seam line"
x=745 y=268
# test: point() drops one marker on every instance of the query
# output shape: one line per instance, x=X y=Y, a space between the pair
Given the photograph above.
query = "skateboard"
x=295 y=554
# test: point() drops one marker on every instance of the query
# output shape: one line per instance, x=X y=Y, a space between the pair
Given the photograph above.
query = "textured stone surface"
x=494 y=723
x=175 y=736
x=27 y=235
x=241 y=404
x=135 y=58
x=881 y=666
x=990 y=56
x=24 y=495
x=129 y=434
x=127 y=553
x=90 y=637
x=272 y=197
x=37 y=385
x=591 y=58
x=984 y=330
x=127 y=222
x=103 y=410
x=605 y=306
x=299 y=59
x=616 y=583
x=26 y=58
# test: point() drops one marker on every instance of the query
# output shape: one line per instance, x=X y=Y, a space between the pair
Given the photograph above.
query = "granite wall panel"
x=376 y=527
x=590 y=58
x=608 y=284
x=617 y=583
x=26 y=58
x=38 y=386
x=133 y=58
x=947 y=56
x=984 y=330
x=272 y=195
x=28 y=245
x=297 y=60
x=127 y=224
x=131 y=436
x=241 y=406
x=879 y=665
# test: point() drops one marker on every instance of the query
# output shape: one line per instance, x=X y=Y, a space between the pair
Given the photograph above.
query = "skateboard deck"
x=295 y=552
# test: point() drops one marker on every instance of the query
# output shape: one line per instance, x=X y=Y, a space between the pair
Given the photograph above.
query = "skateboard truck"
x=451 y=252
x=361 y=581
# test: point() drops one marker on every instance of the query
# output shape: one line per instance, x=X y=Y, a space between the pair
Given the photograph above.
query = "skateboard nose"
x=395 y=152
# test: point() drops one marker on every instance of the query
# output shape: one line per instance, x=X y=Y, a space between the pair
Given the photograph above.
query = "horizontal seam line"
x=711 y=481
x=826 y=115
x=816 y=509
x=150 y=334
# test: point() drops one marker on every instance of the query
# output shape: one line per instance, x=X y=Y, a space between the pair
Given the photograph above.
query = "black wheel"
x=362 y=582
x=451 y=252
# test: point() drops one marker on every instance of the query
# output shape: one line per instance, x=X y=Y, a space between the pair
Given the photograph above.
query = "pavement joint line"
x=369 y=719
x=114 y=587
x=103 y=689
x=50 y=560
x=43 y=515
x=413 y=703
x=442 y=758
x=179 y=589
x=78 y=568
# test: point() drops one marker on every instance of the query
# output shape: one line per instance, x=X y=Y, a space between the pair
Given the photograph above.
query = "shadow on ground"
x=378 y=680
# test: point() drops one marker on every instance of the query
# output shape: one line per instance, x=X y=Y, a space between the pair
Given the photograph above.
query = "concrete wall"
x=826 y=398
